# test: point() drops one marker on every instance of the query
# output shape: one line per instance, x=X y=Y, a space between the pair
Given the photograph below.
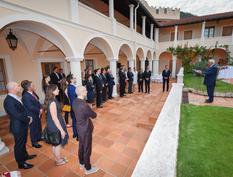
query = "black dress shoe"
x=25 y=165
x=30 y=157
x=37 y=145
x=208 y=101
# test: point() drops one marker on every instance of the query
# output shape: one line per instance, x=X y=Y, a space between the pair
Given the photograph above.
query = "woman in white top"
x=135 y=78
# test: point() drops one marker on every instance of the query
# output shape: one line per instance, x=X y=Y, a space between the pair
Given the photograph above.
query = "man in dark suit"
x=61 y=74
x=210 y=79
x=99 y=88
x=83 y=114
x=130 y=80
x=55 y=77
x=140 y=81
x=122 y=79
x=105 y=84
x=111 y=83
x=19 y=122
x=34 y=110
x=166 y=75
x=147 y=76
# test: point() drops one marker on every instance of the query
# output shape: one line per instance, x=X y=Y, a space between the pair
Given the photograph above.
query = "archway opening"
x=165 y=58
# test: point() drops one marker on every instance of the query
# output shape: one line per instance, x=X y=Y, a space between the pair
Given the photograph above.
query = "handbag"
x=53 y=138
x=66 y=108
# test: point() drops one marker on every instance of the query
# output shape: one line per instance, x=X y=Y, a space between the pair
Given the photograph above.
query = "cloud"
x=196 y=7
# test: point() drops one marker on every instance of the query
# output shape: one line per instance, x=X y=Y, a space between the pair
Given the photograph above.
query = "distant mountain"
x=186 y=15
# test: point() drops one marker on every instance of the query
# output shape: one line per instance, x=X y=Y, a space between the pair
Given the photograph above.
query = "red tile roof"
x=197 y=19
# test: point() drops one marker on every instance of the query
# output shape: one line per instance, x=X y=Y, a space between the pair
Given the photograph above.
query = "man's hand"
x=30 y=121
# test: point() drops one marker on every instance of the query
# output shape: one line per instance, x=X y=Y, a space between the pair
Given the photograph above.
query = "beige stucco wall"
x=56 y=8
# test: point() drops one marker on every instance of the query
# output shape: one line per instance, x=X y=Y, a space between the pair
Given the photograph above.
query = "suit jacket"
x=71 y=93
x=147 y=75
x=130 y=75
x=122 y=77
x=104 y=79
x=140 y=76
x=98 y=83
x=83 y=113
x=19 y=120
x=110 y=79
x=31 y=104
x=54 y=78
x=166 y=74
x=211 y=76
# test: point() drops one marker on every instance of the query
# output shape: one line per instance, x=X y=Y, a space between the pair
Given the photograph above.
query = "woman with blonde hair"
x=55 y=121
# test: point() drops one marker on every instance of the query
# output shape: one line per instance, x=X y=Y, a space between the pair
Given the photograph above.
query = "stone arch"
x=126 y=49
x=101 y=43
x=219 y=55
x=43 y=28
x=149 y=55
x=165 y=58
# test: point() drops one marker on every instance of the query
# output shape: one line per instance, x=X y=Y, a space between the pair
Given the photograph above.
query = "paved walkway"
x=218 y=101
x=121 y=131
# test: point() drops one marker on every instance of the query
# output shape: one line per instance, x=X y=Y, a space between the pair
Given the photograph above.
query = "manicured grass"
x=205 y=142
x=191 y=81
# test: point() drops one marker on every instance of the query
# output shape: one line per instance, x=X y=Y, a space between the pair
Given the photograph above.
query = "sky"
x=196 y=7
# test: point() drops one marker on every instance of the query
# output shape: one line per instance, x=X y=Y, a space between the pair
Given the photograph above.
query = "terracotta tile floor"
x=218 y=101
x=121 y=131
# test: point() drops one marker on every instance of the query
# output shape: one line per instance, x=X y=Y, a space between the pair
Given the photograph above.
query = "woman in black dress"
x=55 y=121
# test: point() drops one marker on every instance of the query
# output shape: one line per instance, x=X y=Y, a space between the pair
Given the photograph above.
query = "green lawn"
x=205 y=142
x=191 y=81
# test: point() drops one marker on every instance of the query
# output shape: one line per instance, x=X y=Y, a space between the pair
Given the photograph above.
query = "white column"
x=150 y=65
x=131 y=6
x=203 y=33
x=75 y=68
x=151 y=31
x=232 y=37
x=113 y=68
x=155 y=67
x=142 y=64
x=173 y=66
x=144 y=25
x=74 y=10
x=131 y=63
x=3 y=148
x=156 y=35
x=111 y=8
x=175 y=36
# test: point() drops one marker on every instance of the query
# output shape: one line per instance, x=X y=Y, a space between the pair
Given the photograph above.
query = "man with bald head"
x=19 y=122
x=83 y=113
x=210 y=79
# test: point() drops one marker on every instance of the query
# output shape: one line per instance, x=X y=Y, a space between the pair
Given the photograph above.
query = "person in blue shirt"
x=72 y=95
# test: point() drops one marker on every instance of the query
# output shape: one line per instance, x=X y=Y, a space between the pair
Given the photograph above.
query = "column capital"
x=74 y=59
x=152 y=25
x=112 y=59
x=131 y=59
x=155 y=60
x=143 y=17
x=131 y=5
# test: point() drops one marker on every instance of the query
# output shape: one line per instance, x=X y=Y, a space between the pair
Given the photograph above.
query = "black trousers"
x=110 y=90
x=122 y=89
x=140 y=86
x=66 y=117
x=210 y=92
x=99 y=98
x=20 y=151
x=147 y=85
x=164 y=83
x=130 y=85
x=104 y=93
x=85 y=148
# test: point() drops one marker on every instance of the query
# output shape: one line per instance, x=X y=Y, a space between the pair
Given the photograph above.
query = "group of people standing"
x=25 y=110
x=132 y=78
